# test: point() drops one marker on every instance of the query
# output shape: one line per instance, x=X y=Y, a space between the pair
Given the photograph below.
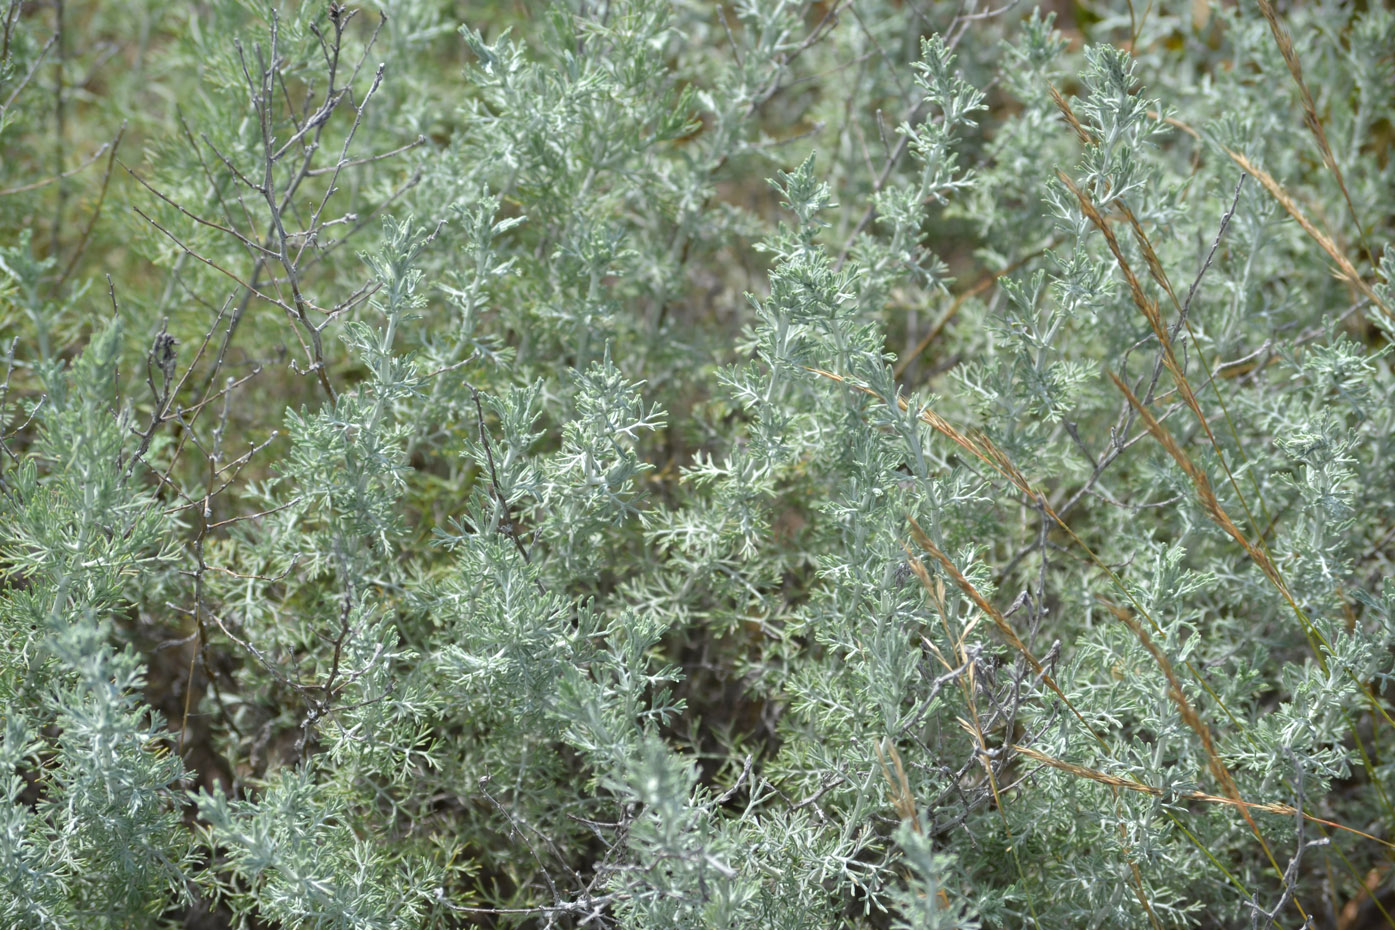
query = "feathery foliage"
x=658 y=465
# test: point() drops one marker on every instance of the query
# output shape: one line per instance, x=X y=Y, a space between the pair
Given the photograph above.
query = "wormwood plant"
x=796 y=465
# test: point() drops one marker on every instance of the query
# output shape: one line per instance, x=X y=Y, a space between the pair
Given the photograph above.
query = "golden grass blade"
x=1347 y=271
x=1310 y=114
x=1282 y=810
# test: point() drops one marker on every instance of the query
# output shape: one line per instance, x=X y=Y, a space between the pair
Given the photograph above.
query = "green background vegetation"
x=658 y=464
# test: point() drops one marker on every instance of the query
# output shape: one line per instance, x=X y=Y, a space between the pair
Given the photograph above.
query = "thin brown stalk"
x=81 y=248
x=1148 y=306
x=982 y=448
x=1001 y=622
x=1310 y=115
x=1190 y=717
x=1209 y=502
x=102 y=149
x=1282 y=810
x=901 y=797
x=1346 y=271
